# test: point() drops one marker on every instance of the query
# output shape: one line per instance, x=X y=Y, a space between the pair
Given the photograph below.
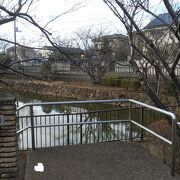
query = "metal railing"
x=127 y=122
x=67 y=129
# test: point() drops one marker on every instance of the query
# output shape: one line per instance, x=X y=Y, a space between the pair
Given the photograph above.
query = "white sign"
x=39 y=167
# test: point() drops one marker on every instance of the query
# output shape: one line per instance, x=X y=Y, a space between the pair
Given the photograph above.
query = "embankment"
x=76 y=91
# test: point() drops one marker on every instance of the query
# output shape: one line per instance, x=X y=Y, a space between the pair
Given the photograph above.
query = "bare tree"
x=156 y=49
x=20 y=10
x=97 y=58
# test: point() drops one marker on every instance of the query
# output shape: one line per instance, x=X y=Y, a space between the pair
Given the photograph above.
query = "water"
x=50 y=115
x=55 y=133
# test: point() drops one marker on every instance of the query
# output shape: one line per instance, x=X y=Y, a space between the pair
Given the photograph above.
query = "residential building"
x=157 y=31
x=26 y=56
x=64 y=59
x=119 y=46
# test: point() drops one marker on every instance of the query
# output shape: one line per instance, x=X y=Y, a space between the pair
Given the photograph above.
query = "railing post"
x=68 y=129
x=81 y=129
x=142 y=123
x=130 y=114
x=178 y=147
x=32 y=127
x=173 y=147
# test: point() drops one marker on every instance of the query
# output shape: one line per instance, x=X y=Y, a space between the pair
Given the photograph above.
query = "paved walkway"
x=104 y=161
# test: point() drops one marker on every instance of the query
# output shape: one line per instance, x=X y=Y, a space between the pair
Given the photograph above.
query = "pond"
x=49 y=115
x=52 y=117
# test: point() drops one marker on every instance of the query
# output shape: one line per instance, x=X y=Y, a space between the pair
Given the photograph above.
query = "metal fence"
x=118 y=69
x=126 y=120
x=70 y=129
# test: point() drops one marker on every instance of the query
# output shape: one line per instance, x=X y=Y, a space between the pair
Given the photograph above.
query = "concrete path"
x=104 y=161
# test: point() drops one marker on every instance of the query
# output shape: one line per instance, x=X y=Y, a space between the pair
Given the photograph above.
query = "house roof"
x=65 y=49
x=160 y=21
x=112 y=36
x=12 y=48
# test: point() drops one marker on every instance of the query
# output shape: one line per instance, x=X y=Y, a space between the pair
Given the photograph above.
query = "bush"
x=126 y=83
x=156 y=145
x=118 y=81
x=131 y=84
x=112 y=80
x=168 y=89
x=135 y=84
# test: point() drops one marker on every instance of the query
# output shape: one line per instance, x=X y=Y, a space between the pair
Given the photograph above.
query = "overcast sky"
x=92 y=14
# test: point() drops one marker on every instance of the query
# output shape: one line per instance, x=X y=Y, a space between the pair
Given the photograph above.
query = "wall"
x=8 y=140
x=66 y=90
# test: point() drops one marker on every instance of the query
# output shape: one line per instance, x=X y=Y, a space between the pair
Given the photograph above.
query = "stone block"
x=10 y=118
x=8 y=144
x=9 y=175
x=7 y=139
x=7 y=107
x=7 y=127
x=8 y=149
x=5 y=155
x=8 y=165
x=10 y=123
x=8 y=160
x=7 y=112
x=7 y=134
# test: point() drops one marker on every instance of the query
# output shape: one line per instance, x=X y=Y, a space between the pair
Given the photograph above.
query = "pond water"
x=53 y=117
x=54 y=133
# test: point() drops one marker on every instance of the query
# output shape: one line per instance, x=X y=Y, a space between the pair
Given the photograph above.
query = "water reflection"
x=56 y=132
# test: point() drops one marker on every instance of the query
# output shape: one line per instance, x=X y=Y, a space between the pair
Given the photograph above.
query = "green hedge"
x=135 y=84
x=112 y=80
x=118 y=81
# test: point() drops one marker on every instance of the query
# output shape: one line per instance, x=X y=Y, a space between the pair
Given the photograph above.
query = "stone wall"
x=65 y=90
x=8 y=140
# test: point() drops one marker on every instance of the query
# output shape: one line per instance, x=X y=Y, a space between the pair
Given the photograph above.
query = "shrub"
x=118 y=81
x=156 y=145
x=135 y=84
x=131 y=83
x=168 y=89
x=112 y=80
x=126 y=83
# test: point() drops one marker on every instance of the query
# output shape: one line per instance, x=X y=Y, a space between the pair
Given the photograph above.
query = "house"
x=26 y=56
x=157 y=31
x=61 y=58
x=118 y=43
x=119 y=46
x=22 y=53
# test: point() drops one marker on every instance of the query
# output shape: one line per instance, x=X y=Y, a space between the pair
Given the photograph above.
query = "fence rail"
x=119 y=123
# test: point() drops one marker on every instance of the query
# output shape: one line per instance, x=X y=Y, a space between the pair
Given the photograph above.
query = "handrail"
x=152 y=132
x=154 y=108
x=130 y=101
x=100 y=101
x=73 y=124
x=73 y=102
x=22 y=130
x=77 y=113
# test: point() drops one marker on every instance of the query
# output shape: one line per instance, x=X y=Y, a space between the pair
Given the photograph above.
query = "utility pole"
x=15 y=47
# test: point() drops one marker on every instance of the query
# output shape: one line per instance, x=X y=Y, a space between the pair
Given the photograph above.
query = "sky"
x=92 y=14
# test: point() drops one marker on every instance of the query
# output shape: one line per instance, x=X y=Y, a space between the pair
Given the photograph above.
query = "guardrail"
x=92 y=126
